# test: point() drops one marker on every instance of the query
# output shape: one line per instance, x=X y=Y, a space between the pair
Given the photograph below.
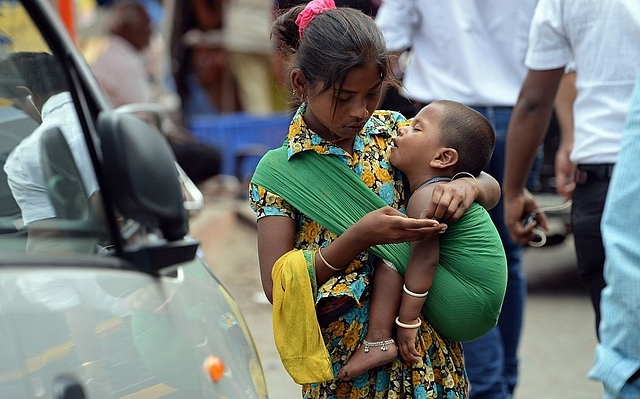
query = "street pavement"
x=558 y=338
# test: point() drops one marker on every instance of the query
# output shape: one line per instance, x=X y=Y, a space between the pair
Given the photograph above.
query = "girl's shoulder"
x=388 y=116
x=384 y=121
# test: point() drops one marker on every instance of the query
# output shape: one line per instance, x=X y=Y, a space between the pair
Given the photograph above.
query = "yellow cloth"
x=295 y=325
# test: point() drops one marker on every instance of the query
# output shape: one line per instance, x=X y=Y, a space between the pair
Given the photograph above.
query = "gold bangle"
x=327 y=264
x=467 y=174
x=405 y=325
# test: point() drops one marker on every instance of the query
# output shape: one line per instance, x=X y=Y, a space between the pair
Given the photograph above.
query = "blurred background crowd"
x=202 y=57
x=206 y=69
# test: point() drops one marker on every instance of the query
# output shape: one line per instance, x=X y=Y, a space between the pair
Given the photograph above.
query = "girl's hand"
x=387 y=225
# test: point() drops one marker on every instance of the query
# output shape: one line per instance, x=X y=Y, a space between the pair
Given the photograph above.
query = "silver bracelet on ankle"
x=384 y=345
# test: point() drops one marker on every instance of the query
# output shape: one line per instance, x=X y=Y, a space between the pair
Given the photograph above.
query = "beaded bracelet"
x=405 y=325
x=327 y=264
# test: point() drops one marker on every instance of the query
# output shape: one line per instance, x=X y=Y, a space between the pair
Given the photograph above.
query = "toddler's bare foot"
x=369 y=355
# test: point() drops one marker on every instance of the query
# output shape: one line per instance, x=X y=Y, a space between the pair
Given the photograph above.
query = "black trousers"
x=586 y=214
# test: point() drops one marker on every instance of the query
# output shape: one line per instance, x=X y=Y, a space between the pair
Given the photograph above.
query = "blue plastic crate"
x=242 y=138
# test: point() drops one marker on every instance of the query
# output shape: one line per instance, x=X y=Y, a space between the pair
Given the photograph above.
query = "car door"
x=103 y=295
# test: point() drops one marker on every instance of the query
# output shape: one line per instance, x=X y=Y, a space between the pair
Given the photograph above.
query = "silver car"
x=103 y=294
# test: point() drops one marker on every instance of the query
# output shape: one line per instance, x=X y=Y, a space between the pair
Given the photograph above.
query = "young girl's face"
x=340 y=115
x=416 y=144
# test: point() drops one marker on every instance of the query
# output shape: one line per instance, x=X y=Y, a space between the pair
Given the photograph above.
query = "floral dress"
x=441 y=372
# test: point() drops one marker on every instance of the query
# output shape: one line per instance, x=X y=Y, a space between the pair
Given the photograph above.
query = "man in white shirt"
x=602 y=39
x=472 y=52
x=45 y=83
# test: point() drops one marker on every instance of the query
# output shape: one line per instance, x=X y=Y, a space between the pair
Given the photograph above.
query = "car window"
x=49 y=195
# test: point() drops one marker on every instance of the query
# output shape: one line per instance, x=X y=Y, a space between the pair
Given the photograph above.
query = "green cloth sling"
x=336 y=203
x=327 y=191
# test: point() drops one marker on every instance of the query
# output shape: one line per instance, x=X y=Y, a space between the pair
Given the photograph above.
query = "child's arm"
x=417 y=282
x=417 y=279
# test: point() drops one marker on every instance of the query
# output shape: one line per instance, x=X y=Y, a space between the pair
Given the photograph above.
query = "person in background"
x=472 y=52
x=200 y=62
x=564 y=170
x=245 y=34
x=118 y=64
x=45 y=96
x=618 y=353
x=600 y=39
x=40 y=89
x=117 y=60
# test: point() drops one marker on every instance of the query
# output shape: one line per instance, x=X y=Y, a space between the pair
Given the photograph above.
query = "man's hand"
x=516 y=209
x=565 y=171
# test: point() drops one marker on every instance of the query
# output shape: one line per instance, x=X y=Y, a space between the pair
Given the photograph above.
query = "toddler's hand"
x=406 y=342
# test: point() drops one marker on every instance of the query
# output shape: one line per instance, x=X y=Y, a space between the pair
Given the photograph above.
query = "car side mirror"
x=140 y=174
x=154 y=114
x=143 y=182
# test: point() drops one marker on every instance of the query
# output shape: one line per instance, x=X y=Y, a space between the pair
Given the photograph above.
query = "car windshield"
x=49 y=195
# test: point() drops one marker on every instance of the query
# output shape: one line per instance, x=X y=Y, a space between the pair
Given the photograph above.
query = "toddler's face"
x=416 y=143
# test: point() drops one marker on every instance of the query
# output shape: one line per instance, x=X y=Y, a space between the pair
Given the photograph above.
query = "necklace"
x=337 y=140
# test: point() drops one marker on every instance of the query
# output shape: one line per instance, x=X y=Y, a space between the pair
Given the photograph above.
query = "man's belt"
x=593 y=172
